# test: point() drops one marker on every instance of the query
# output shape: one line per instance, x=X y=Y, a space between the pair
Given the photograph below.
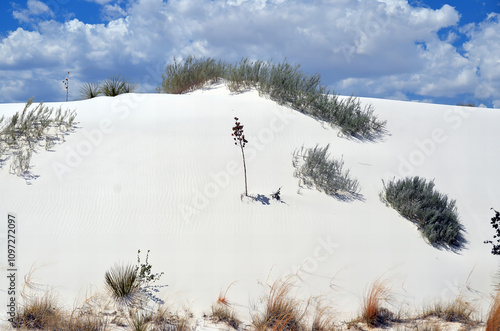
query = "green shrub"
x=22 y=133
x=283 y=83
x=191 y=74
x=434 y=213
x=326 y=174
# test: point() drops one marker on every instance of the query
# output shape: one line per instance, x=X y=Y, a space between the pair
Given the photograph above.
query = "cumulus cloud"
x=34 y=8
x=384 y=48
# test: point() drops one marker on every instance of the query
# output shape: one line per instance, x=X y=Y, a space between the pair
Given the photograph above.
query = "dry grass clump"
x=493 y=321
x=223 y=312
x=373 y=314
x=38 y=313
x=164 y=320
x=458 y=310
x=138 y=320
x=323 y=319
x=282 y=312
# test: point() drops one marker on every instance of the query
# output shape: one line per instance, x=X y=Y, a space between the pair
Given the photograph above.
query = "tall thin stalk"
x=239 y=140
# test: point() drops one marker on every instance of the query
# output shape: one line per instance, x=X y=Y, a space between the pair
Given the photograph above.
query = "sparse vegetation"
x=191 y=74
x=24 y=132
x=433 y=212
x=283 y=83
x=315 y=167
x=457 y=310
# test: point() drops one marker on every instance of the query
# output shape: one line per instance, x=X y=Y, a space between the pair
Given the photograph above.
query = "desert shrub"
x=146 y=279
x=115 y=85
x=190 y=74
x=283 y=83
x=21 y=134
x=434 y=213
x=90 y=90
x=495 y=224
x=315 y=167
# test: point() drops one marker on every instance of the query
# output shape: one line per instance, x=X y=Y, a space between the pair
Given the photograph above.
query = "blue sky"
x=429 y=51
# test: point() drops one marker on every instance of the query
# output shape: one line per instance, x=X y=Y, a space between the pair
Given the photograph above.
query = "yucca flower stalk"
x=239 y=140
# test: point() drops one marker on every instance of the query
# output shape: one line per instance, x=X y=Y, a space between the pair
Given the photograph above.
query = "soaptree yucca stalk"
x=239 y=140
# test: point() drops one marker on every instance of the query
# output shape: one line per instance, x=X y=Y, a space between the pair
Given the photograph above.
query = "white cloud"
x=363 y=47
x=34 y=8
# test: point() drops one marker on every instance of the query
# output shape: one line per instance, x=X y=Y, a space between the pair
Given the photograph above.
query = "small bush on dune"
x=283 y=83
x=434 y=213
x=191 y=74
x=21 y=134
x=326 y=174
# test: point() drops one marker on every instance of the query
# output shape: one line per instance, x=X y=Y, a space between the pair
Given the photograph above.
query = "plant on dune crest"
x=315 y=167
x=282 y=82
x=493 y=322
x=115 y=85
x=434 y=213
x=66 y=86
x=190 y=74
x=90 y=90
x=239 y=140
x=495 y=224
x=373 y=313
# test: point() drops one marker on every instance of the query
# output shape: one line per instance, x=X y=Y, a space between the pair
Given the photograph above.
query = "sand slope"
x=161 y=172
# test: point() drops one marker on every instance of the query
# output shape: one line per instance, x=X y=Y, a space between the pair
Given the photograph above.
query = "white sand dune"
x=161 y=172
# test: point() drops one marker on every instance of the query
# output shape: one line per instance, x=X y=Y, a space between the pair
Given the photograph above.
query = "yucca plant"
x=115 y=85
x=90 y=90
x=123 y=284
